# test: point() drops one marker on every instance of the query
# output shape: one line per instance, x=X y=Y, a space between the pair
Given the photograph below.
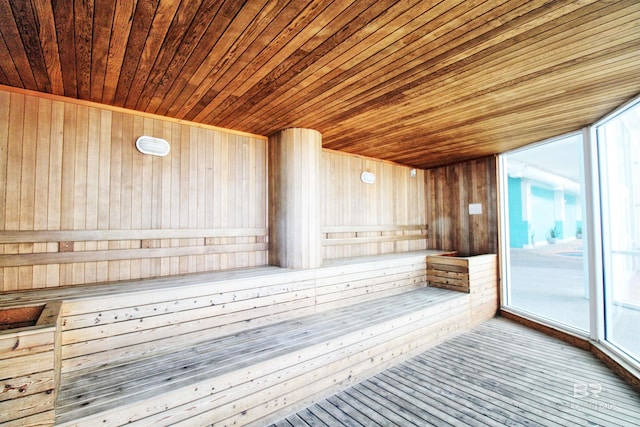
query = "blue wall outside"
x=518 y=228
x=572 y=210
x=543 y=218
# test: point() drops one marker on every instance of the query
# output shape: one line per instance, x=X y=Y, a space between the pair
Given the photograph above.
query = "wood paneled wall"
x=450 y=190
x=370 y=219
x=81 y=205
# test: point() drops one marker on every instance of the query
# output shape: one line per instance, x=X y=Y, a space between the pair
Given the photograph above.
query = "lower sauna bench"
x=262 y=374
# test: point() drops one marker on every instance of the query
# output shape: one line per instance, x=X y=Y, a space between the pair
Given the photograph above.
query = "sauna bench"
x=247 y=346
x=293 y=359
x=99 y=290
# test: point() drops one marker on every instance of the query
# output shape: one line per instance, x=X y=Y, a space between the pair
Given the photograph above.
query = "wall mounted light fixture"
x=153 y=146
x=368 y=177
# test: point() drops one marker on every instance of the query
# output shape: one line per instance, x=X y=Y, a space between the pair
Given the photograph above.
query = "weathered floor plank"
x=500 y=373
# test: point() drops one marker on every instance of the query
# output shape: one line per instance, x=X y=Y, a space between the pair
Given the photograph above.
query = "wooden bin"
x=476 y=275
x=29 y=364
x=448 y=272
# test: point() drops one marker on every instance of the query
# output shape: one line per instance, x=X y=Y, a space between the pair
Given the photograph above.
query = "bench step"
x=228 y=378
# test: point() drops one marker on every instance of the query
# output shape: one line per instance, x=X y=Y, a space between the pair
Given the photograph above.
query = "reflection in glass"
x=619 y=153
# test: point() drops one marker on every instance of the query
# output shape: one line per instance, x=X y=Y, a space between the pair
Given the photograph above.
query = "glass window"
x=619 y=154
x=545 y=204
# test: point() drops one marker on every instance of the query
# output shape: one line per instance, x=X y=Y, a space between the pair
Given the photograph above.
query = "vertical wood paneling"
x=92 y=192
x=184 y=192
x=126 y=167
x=55 y=164
x=209 y=179
x=156 y=180
x=14 y=173
x=55 y=183
x=42 y=184
x=70 y=166
x=200 y=168
x=5 y=104
x=27 y=186
x=42 y=154
x=395 y=199
x=137 y=180
x=449 y=191
x=165 y=180
x=224 y=194
x=175 y=176
x=104 y=174
x=80 y=184
x=294 y=198
x=118 y=190
x=144 y=182
x=5 y=109
x=14 y=170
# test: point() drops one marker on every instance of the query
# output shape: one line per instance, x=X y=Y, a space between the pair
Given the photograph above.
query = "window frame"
x=602 y=194
x=505 y=262
x=594 y=249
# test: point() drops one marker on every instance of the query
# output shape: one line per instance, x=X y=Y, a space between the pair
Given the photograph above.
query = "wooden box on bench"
x=476 y=275
x=29 y=364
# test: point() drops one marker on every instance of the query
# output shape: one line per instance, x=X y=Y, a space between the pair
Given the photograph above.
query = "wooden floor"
x=500 y=373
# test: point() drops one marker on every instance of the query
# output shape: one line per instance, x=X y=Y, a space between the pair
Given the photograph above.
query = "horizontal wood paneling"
x=476 y=275
x=112 y=325
x=229 y=345
x=239 y=378
x=384 y=234
x=119 y=327
x=82 y=205
x=484 y=284
x=174 y=350
x=450 y=190
x=448 y=272
x=368 y=219
x=43 y=236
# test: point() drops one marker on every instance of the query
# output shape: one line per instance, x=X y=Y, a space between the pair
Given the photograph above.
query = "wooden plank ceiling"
x=423 y=83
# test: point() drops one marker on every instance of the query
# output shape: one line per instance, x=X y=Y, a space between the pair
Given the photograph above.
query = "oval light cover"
x=153 y=146
x=368 y=177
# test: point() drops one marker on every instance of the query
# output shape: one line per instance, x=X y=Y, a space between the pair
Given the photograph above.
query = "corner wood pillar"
x=294 y=198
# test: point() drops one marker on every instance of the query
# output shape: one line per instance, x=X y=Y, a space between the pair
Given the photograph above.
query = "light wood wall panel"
x=450 y=190
x=368 y=219
x=73 y=169
x=294 y=198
